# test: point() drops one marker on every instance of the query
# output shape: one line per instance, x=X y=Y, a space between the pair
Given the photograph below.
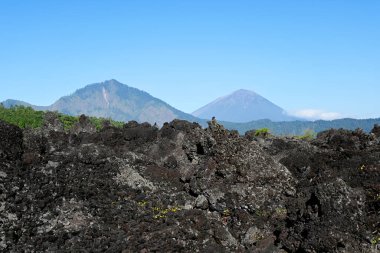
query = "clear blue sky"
x=321 y=55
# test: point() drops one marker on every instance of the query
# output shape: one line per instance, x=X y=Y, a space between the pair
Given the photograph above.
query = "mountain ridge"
x=112 y=99
x=242 y=106
x=103 y=100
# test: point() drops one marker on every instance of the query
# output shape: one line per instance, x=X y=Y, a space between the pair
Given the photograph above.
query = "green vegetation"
x=226 y=212
x=308 y=135
x=158 y=212
x=375 y=240
x=142 y=203
x=22 y=117
x=263 y=132
x=27 y=117
x=280 y=213
x=68 y=121
x=99 y=122
x=261 y=213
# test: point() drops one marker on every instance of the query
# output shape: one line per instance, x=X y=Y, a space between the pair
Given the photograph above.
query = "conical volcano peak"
x=242 y=106
x=244 y=92
x=242 y=96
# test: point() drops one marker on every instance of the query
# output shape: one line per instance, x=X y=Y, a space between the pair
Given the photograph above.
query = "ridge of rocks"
x=184 y=188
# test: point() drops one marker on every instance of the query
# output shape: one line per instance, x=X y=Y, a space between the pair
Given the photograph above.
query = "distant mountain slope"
x=242 y=106
x=112 y=99
x=119 y=102
x=13 y=102
x=298 y=127
x=24 y=117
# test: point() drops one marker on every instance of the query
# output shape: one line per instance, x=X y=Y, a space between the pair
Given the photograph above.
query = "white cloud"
x=314 y=114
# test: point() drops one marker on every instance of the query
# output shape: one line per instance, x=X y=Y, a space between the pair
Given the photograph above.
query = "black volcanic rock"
x=376 y=130
x=182 y=188
x=10 y=141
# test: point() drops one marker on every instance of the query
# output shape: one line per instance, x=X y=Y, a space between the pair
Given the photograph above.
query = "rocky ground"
x=182 y=188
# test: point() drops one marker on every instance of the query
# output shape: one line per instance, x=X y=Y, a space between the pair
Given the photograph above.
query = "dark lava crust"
x=182 y=188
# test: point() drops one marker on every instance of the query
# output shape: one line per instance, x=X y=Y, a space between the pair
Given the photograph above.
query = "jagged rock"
x=343 y=139
x=376 y=130
x=182 y=188
x=10 y=141
x=201 y=202
x=83 y=126
x=252 y=236
x=52 y=122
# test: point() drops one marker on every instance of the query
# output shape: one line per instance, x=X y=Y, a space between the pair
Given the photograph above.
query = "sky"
x=316 y=59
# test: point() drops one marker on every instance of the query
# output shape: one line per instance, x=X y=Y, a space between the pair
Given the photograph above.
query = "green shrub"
x=68 y=121
x=308 y=135
x=24 y=117
x=263 y=132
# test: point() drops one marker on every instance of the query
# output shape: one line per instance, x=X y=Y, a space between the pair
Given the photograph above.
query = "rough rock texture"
x=182 y=188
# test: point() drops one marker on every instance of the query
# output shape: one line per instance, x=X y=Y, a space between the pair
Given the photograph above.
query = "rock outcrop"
x=182 y=188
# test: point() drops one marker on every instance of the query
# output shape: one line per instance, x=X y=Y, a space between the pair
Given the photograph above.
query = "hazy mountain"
x=111 y=99
x=242 y=106
x=299 y=127
x=13 y=102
